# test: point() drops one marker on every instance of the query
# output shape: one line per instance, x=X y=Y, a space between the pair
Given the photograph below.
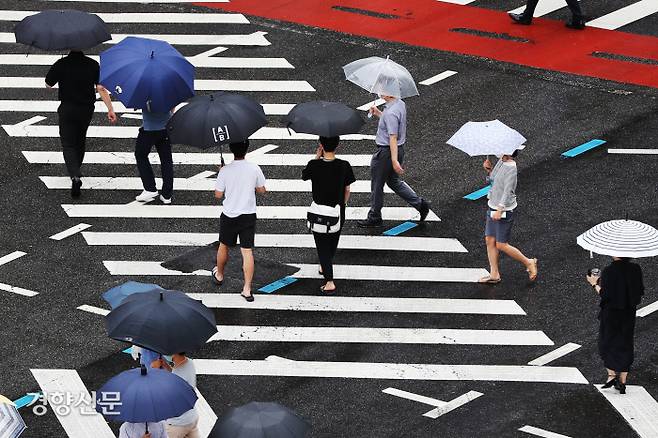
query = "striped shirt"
x=503 y=186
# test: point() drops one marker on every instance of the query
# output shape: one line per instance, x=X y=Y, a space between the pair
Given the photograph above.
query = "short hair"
x=329 y=144
x=239 y=149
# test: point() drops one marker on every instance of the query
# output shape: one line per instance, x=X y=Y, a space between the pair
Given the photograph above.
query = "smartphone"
x=503 y=214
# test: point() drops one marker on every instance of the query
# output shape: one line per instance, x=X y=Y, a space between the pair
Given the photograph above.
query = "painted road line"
x=544 y=7
x=647 y=310
x=199 y=84
x=367 y=106
x=71 y=231
x=130 y=267
x=541 y=432
x=314 y=303
x=26 y=399
x=369 y=243
x=453 y=404
x=441 y=76
x=93 y=309
x=187 y=184
x=207 y=416
x=279 y=284
x=214 y=211
x=11 y=257
x=384 y=335
x=18 y=290
x=196 y=158
x=151 y=17
x=389 y=371
x=406 y=226
x=638 y=408
x=394 y=273
x=583 y=148
x=481 y=193
x=414 y=397
x=555 y=354
x=457 y=2
x=204 y=175
x=199 y=61
x=82 y=421
x=626 y=15
x=633 y=151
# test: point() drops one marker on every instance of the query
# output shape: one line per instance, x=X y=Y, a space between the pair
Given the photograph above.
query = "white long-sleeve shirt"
x=503 y=186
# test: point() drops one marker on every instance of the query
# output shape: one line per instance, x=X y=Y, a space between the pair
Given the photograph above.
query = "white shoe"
x=146 y=196
x=165 y=200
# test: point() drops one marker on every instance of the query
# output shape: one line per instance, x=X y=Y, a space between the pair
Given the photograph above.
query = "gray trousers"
x=381 y=172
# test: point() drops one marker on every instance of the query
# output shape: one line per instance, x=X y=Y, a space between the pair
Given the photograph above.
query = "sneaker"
x=520 y=18
x=164 y=200
x=576 y=22
x=146 y=196
x=75 y=187
x=370 y=223
x=424 y=210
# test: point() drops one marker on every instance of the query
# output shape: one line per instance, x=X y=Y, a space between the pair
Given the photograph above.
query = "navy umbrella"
x=65 y=29
x=261 y=420
x=117 y=294
x=164 y=321
x=216 y=119
x=147 y=74
x=145 y=396
x=327 y=119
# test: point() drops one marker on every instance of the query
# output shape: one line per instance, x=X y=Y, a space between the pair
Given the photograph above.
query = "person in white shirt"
x=238 y=183
x=184 y=426
x=138 y=430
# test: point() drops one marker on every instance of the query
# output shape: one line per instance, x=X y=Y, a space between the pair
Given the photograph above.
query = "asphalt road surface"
x=332 y=359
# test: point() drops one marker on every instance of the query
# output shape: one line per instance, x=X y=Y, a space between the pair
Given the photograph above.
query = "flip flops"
x=489 y=280
x=215 y=280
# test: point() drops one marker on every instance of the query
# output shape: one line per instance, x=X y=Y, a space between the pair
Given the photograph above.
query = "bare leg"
x=222 y=258
x=329 y=286
x=247 y=269
x=514 y=253
x=492 y=254
x=611 y=374
x=622 y=377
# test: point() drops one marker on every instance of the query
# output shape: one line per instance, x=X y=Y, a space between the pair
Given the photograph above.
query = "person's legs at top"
x=69 y=122
x=163 y=146
x=222 y=259
x=492 y=256
x=577 y=18
x=516 y=254
x=526 y=16
x=86 y=114
x=380 y=166
x=248 y=270
x=247 y=233
x=325 y=245
x=143 y=145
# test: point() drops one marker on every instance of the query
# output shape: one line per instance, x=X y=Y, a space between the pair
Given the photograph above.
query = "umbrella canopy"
x=487 y=138
x=145 y=396
x=65 y=29
x=381 y=76
x=327 y=119
x=216 y=119
x=164 y=321
x=117 y=294
x=261 y=420
x=11 y=422
x=621 y=238
x=147 y=74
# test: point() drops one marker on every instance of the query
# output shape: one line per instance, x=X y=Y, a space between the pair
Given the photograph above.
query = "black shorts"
x=243 y=226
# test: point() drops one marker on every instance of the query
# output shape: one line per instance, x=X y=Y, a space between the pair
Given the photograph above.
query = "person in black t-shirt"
x=331 y=178
x=77 y=76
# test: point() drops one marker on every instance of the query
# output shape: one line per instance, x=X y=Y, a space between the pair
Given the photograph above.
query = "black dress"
x=621 y=292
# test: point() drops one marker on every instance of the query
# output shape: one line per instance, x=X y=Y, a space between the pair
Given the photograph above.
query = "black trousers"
x=326 y=245
x=145 y=142
x=574 y=5
x=74 y=119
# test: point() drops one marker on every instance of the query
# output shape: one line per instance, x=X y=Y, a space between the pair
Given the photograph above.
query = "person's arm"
x=487 y=166
x=219 y=194
x=260 y=182
x=105 y=96
x=347 y=194
x=51 y=76
x=261 y=190
x=375 y=111
x=393 y=145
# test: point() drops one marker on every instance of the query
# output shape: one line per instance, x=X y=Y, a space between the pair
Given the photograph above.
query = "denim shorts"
x=502 y=229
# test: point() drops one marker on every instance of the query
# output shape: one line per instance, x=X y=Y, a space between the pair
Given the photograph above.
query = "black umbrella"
x=261 y=420
x=326 y=119
x=66 y=29
x=164 y=321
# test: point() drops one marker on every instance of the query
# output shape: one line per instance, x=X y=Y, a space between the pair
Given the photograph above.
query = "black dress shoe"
x=576 y=23
x=520 y=18
x=75 y=187
x=621 y=387
x=610 y=383
x=370 y=223
x=424 y=210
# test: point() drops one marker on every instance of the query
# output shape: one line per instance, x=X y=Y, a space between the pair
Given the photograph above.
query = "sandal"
x=216 y=280
x=248 y=298
x=329 y=292
x=489 y=280
x=532 y=270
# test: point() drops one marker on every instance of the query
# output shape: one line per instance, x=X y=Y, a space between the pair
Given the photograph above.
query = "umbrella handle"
x=221 y=155
x=147 y=427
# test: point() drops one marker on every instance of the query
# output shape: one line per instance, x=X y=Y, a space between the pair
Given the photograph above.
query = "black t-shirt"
x=329 y=179
x=77 y=76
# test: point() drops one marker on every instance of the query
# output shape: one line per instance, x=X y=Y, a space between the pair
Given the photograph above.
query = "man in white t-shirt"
x=184 y=426
x=238 y=183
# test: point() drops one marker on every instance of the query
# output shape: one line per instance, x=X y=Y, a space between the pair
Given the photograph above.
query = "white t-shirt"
x=187 y=372
x=137 y=430
x=238 y=180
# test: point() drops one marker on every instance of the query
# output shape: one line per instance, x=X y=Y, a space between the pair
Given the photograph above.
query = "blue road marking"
x=583 y=148
x=285 y=281
x=478 y=193
x=400 y=229
x=26 y=400
x=128 y=350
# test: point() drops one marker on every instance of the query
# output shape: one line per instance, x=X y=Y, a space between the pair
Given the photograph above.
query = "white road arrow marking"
x=541 y=432
x=638 y=408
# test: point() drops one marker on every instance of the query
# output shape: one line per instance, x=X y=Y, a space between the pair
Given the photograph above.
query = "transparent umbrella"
x=381 y=76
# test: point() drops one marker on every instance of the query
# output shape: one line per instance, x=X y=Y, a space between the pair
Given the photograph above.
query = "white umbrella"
x=621 y=238
x=487 y=138
x=381 y=76
x=11 y=423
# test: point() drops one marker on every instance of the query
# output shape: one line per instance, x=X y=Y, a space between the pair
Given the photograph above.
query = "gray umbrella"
x=65 y=29
x=327 y=119
x=261 y=420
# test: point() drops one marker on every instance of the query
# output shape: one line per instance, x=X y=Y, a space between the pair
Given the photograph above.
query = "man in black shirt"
x=77 y=76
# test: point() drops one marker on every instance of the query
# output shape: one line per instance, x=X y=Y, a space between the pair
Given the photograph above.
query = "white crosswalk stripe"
x=152 y=17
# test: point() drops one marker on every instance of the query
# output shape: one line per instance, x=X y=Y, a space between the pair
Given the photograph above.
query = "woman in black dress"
x=331 y=178
x=620 y=287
